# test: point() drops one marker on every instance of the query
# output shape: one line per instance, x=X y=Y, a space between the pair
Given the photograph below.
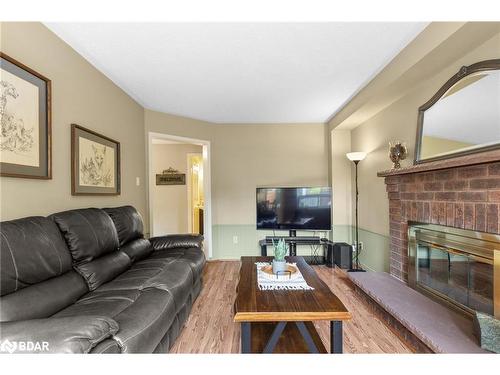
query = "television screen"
x=300 y=208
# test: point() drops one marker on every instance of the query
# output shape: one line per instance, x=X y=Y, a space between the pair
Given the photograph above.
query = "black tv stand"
x=293 y=240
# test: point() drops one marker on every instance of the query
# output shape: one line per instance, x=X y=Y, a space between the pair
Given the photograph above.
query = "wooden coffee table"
x=280 y=321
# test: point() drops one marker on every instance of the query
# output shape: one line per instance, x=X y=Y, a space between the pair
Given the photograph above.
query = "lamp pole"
x=356 y=157
x=356 y=214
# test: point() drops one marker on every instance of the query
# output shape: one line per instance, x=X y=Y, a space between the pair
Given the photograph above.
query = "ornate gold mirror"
x=463 y=117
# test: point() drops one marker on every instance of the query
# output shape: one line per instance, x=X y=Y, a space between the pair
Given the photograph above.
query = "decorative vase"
x=279 y=266
x=397 y=152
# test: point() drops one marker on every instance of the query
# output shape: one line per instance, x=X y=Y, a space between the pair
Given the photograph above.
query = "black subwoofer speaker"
x=340 y=254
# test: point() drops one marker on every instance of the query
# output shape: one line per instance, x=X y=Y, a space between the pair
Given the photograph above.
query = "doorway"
x=179 y=196
x=195 y=193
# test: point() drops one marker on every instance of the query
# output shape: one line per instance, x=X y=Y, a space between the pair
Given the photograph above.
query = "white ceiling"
x=240 y=72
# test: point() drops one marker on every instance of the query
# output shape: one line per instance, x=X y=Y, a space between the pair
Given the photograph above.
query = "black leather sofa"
x=87 y=281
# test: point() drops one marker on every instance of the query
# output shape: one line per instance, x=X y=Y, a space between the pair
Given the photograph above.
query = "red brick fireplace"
x=463 y=192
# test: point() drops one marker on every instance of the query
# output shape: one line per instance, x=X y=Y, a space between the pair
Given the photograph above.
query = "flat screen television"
x=294 y=208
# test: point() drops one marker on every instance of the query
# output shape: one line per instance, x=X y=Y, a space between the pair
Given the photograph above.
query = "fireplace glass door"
x=455 y=275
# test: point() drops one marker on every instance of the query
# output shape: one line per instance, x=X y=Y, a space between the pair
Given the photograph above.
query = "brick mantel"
x=459 y=161
x=466 y=197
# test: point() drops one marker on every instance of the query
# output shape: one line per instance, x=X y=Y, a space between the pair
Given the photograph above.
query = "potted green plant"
x=280 y=250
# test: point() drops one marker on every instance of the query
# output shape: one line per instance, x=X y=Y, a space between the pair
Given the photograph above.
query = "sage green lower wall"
x=376 y=247
x=375 y=252
x=374 y=257
x=248 y=241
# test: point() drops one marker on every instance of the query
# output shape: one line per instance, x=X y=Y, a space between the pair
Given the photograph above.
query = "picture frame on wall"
x=95 y=163
x=25 y=115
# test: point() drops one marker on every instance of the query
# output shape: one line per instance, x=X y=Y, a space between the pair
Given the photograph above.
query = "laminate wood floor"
x=210 y=327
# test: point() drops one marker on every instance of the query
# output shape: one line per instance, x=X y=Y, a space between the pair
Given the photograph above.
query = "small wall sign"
x=171 y=177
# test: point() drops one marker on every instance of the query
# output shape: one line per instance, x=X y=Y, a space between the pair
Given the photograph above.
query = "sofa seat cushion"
x=143 y=316
x=107 y=303
x=194 y=257
x=175 y=278
x=132 y=279
x=145 y=322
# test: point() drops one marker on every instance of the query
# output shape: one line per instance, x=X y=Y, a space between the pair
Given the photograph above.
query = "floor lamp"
x=356 y=157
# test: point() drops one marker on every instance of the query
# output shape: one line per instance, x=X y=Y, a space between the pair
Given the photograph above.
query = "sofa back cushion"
x=104 y=269
x=128 y=223
x=93 y=242
x=137 y=249
x=89 y=233
x=36 y=277
x=32 y=250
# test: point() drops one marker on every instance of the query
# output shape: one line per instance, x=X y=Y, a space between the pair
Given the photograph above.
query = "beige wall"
x=158 y=122
x=398 y=122
x=341 y=177
x=170 y=210
x=82 y=95
x=245 y=156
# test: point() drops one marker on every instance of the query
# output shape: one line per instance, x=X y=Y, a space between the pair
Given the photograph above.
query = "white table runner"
x=281 y=282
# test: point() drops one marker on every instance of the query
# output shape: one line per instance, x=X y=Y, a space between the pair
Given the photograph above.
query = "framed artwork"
x=95 y=163
x=25 y=137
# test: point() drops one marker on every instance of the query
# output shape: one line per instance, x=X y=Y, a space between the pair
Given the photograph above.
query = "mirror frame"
x=464 y=71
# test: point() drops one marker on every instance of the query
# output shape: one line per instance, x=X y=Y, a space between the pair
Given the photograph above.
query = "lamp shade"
x=356 y=156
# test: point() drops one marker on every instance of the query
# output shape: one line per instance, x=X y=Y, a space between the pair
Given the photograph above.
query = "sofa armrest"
x=175 y=241
x=77 y=334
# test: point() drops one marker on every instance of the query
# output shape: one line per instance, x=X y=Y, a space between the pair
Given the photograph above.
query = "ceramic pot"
x=279 y=266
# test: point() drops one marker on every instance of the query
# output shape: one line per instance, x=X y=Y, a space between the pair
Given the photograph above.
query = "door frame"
x=188 y=183
x=207 y=176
